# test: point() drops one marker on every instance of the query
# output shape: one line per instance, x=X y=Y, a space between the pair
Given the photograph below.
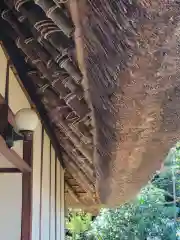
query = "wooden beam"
x=11 y=117
x=3 y=118
x=9 y=170
x=26 y=218
x=13 y=157
x=71 y=192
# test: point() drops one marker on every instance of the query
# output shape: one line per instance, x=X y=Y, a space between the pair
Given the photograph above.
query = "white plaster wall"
x=45 y=204
x=48 y=191
x=48 y=179
x=17 y=98
x=11 y=183
x=10 y=206
x=53 y=200
x=36 y=183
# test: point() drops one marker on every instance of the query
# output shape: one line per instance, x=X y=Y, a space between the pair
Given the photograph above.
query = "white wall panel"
x=47 y=179
x=17 y=98
x=62 y=207
x=58 y=202
x=10 y=206
x=45 y=189
x=48 y=192
x=36 y=183
x=53 y=202
x=10 y=184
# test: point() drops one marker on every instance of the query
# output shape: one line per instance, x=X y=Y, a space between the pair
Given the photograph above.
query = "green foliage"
x=148 y=217
x=78 y=222
x=145 y=217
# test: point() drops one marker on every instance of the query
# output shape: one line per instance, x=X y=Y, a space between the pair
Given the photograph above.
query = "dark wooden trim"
x=3 y=118
x=41 y=183
x=4 y=105
x=50 y=188
x=7 y=87
x=22 y=68
x=9 y=170
x=55 y=208
x=26 y=219
x=11 y=116
x=62 y=201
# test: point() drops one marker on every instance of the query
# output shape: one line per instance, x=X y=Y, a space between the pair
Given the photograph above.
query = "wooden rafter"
x=13 y=157
x=71 y=192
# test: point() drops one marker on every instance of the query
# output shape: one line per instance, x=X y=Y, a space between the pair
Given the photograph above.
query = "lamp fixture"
x=26 y=120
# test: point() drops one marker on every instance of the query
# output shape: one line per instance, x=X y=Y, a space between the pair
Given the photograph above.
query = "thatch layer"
x=125 y=44
x=43 y=33
x=116 y=114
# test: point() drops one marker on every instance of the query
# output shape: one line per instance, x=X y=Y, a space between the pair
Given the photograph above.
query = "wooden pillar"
x=26 y=220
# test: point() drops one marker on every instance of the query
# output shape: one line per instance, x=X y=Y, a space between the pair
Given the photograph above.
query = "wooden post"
x=26 y=220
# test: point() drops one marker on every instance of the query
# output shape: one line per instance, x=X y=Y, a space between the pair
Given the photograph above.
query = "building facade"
x=31 y=176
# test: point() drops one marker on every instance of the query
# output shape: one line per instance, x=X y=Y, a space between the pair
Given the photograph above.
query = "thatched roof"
x=107 y=105
x=48 y=49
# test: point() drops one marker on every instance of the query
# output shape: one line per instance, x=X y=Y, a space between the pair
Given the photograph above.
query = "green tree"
x=78 y=222
x=151 y=216
x=165 y=178
x=169 y=179
x=144 y=218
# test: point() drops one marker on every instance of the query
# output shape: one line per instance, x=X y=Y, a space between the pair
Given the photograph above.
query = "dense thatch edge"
x=152 y=21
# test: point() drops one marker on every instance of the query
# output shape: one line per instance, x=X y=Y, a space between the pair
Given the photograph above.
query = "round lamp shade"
x=26 y=120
